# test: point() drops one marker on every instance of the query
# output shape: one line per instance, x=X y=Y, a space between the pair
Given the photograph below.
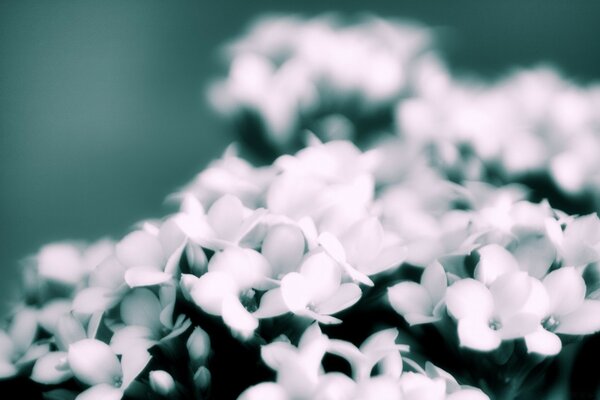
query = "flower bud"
x=198 y=346
x=162 y=382
x=202 y=379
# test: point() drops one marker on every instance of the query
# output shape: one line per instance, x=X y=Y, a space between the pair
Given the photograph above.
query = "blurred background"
x=102 y=110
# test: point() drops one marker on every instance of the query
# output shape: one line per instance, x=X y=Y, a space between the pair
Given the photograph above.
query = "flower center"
x=550 y=323
x=495 y=324
x=117 y=381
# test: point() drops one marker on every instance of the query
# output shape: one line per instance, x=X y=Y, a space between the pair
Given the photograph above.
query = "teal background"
x=101 y=103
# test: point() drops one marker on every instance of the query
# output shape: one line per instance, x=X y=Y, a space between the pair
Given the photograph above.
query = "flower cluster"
x=377 y=78
x=288 y=74
x=333 y=273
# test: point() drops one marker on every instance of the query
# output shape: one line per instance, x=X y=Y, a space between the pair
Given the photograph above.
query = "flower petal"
x=92 y=299
x=323 y=274
x=265 y=390
x=225 y=216
x=23 y=329
x=535 y=255
x=410 y=298
x=141 y=307
x=101 y=392
x=382 y=388
x=246 y=267
x=68 y=330
x=140 y=248
x=518 y=326
x=275 y=354
x=363 y=241
x=543 y=342
x=61 y=262
x=296 y=291
x=7 y=369
x=333 y=247
x=130 y=336
x=50 y=313
x=283 y=246
x=237 y=317
x=210 y=289
x=469 y=298
x=93 y=362
x=467 y=394
x=51 y=369
x=494 y=261
x=566 y=289
x=271 y=304
x=538 y=302
x=109 y=273
x=134 y=361
x=145 y=276
x=510 y=292
x=335 y=385
x=583 y=321
x=434 y=280
x=389 y=257
x=476 y=334
x=346 y=296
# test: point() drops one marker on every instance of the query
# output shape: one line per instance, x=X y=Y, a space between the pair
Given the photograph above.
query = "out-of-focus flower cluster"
x=288 y=74
x=243 y=290
x=377 y=78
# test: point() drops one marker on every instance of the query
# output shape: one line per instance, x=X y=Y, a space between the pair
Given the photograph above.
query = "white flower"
x=96 y=365
x=315 y=292
x=421 y=303
x=485 y=316
x=565 y=311
x=232 y=273
x=227 y=222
